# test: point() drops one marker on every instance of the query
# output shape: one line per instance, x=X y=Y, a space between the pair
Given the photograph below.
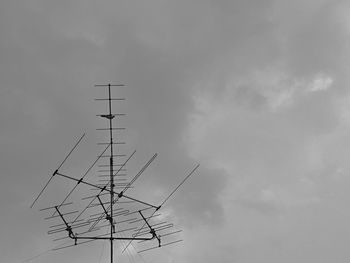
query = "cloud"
x=321 y=82
x=255 y=91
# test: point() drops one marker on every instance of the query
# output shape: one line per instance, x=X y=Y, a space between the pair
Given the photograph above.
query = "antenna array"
x=109 y=213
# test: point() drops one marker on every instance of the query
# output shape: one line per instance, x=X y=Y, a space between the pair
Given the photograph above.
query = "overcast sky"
x=255 y=91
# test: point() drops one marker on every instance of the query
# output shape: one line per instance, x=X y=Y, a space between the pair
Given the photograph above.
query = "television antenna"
x=133 y=220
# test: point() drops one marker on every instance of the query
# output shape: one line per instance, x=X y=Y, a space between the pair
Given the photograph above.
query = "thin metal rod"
x=144 y=250
x=109 y=129
x=69 y=213
x=62 y=229
x=31 y=206
x=149 y=217
x=62 y=224
x=65 y=159
x=109 y=85
x=167 y=234
x=59 y=248
x=102 y=171
x=101 y=203
x=53 y=207
x=116 y=238
x=115 y=179
x=98 y=214
x=105 y=143
x=114 y=114
x=139 y=201
x=145 y=220
x=112 y=99
x=105 y=175
x=57 y=170
x=160 y=224
x=115 y=155
x=182 y=182
x=107 y=165
x=159 y=228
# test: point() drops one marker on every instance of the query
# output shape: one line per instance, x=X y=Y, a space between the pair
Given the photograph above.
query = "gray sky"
x=255 y=91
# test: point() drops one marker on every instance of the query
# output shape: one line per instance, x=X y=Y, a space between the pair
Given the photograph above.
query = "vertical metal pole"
x=111 y=168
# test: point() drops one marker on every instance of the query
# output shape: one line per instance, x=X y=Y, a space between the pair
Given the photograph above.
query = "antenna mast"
x=111 y=183
x=145 y=231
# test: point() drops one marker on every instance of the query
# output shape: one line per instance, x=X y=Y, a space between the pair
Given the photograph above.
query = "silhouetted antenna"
x=137 y=220
x=122 y=193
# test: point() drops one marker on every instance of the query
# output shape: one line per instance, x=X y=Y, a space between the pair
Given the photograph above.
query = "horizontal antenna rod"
x=115 y=179
x=69 y=213
x=167 y=234
x=114 y=114
x=62 y=224
x=107 y=165
x=105 y=143
x=100 y=171
x=64 y=228
x=112 y=99
x=163 y=245
x=115 y=175
x=108 y=129
x=148 y=217
x=110 y=85
x=53 y=207
x=114 y=155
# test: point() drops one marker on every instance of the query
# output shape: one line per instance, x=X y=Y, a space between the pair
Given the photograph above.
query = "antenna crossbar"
x=109 y=85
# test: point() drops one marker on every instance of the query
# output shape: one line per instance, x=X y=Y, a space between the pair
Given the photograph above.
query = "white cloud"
x=320 y=82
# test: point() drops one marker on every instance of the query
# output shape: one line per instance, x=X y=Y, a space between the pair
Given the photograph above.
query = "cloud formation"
x=256 y=91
